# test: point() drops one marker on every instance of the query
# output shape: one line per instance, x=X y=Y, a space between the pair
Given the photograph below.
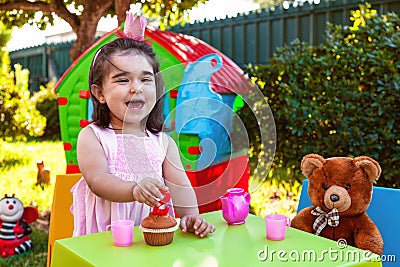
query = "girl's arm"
x=94 y=168
x=182 y=192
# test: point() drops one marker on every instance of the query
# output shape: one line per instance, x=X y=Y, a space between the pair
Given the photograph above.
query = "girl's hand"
x=197 y=225
x=147 y=191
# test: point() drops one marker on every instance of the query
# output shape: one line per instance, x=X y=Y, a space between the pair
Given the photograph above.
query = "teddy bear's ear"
x=370 y=166
x=311 y=162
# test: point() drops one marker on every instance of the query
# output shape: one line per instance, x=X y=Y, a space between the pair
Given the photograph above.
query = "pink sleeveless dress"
x=130 y=158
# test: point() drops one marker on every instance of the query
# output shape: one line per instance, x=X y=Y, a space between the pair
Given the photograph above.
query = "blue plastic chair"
x=384 y=211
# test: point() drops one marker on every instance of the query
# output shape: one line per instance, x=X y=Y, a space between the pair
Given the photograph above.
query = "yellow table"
x=239 y=245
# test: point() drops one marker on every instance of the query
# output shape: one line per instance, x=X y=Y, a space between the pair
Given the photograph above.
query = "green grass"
x=18 y=172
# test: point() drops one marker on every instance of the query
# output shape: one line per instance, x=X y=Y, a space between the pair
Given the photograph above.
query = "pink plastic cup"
x=276 y=225
x=122 y=232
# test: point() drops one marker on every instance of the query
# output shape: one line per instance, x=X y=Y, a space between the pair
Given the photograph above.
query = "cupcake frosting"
x=158 y=222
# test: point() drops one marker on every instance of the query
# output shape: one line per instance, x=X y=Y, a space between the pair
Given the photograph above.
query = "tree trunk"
x=121 y=6
x=85 y=36
x=86 y=31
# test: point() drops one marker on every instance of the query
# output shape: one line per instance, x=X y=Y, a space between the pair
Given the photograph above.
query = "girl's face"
x=129 y=90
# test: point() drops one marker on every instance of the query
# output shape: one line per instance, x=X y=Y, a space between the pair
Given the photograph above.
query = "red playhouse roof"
x=229 y=79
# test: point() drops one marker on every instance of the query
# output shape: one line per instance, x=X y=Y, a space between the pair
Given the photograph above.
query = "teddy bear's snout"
x=334 y=197
x=337 y=197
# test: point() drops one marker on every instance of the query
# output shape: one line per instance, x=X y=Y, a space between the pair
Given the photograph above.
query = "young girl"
x=127 y=162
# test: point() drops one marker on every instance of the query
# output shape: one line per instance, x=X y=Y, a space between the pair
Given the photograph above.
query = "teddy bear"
x=340 y=190
x=14 y=226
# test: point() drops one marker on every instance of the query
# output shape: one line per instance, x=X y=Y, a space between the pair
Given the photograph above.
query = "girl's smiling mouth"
x=135 y=104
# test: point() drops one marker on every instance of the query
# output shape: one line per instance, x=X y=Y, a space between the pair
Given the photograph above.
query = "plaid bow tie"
x=331 y=218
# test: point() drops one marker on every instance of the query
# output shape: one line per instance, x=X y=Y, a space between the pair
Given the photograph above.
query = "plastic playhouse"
x=203 y=89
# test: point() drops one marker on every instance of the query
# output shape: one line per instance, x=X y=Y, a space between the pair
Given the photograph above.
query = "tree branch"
x=62 y=11
x=92 y=12
x=56 y=6
x=26 y=5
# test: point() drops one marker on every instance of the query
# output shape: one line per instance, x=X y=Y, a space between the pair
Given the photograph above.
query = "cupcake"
x=158 y=228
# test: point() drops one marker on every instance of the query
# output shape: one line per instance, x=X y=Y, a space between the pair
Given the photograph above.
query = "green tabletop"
x=229 y=245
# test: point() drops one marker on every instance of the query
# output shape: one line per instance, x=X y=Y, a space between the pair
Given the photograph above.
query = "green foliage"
x=45 y=101
x=270 y=3
x=19 y=18
x=18 y=114
x=337 y=99
x=5 y=36
x=276 y=196
x=169 y=13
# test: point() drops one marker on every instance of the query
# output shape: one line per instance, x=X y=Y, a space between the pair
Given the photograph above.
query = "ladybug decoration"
x=14 y=226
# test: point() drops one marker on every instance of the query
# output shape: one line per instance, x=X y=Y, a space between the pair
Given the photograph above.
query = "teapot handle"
x=247 y=197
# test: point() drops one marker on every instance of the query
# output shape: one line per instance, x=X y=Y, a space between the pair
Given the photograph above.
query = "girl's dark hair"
x=101 y=66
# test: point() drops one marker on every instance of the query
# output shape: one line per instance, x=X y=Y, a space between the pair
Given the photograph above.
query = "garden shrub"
x=46 y=102
x=5 y=36
x=276 y=196
x=337 y=99
x=18 y=114
x=19 y=117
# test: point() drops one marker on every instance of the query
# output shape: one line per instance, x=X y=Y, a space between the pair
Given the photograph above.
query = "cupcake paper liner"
x=159 y=237
x=159 y=231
